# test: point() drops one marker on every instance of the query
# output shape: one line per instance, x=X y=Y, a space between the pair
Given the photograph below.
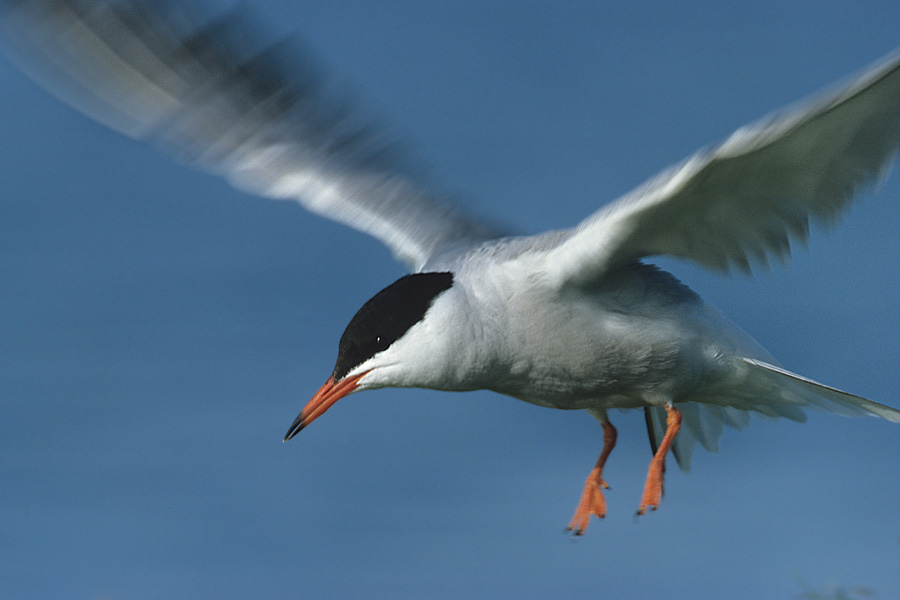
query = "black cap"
x=386 y=317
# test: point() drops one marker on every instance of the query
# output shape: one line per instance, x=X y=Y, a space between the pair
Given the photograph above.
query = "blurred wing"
x=204 y=92
x=743 y=200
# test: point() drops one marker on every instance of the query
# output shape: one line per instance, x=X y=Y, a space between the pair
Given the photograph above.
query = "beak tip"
x=294 y=430
x=327 y=395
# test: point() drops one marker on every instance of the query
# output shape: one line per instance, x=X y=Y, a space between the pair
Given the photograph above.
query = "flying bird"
x=568 y=319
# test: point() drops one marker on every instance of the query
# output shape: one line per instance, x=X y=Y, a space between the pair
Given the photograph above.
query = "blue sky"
x=161 y=331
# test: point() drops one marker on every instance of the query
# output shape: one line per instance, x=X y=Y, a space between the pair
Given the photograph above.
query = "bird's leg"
x=653 y=488
x=592 y=500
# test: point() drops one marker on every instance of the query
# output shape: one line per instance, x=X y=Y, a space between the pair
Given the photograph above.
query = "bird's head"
x=379 y=347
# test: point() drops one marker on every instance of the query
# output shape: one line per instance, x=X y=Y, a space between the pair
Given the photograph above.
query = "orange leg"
x=592 y=500
x=653 y=488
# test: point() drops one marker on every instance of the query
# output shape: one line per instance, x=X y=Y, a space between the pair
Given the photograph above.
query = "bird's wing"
x=205 y=91
x=743 y=200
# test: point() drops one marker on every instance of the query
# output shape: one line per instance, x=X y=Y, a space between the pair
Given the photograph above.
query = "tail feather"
x=808 y=393
x=765 y=389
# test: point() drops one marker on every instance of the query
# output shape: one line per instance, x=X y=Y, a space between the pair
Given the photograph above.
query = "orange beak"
x=327 y=395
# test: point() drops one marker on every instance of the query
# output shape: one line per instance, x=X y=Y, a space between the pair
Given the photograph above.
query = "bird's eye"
x=373 y=345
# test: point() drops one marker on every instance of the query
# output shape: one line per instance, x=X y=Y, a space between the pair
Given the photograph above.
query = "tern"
x=568 y=319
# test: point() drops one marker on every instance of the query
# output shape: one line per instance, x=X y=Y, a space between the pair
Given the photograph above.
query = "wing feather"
x=261 y=116
x=743 y=201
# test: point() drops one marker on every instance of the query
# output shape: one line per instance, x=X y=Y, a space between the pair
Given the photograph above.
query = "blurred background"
x=160 y=331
